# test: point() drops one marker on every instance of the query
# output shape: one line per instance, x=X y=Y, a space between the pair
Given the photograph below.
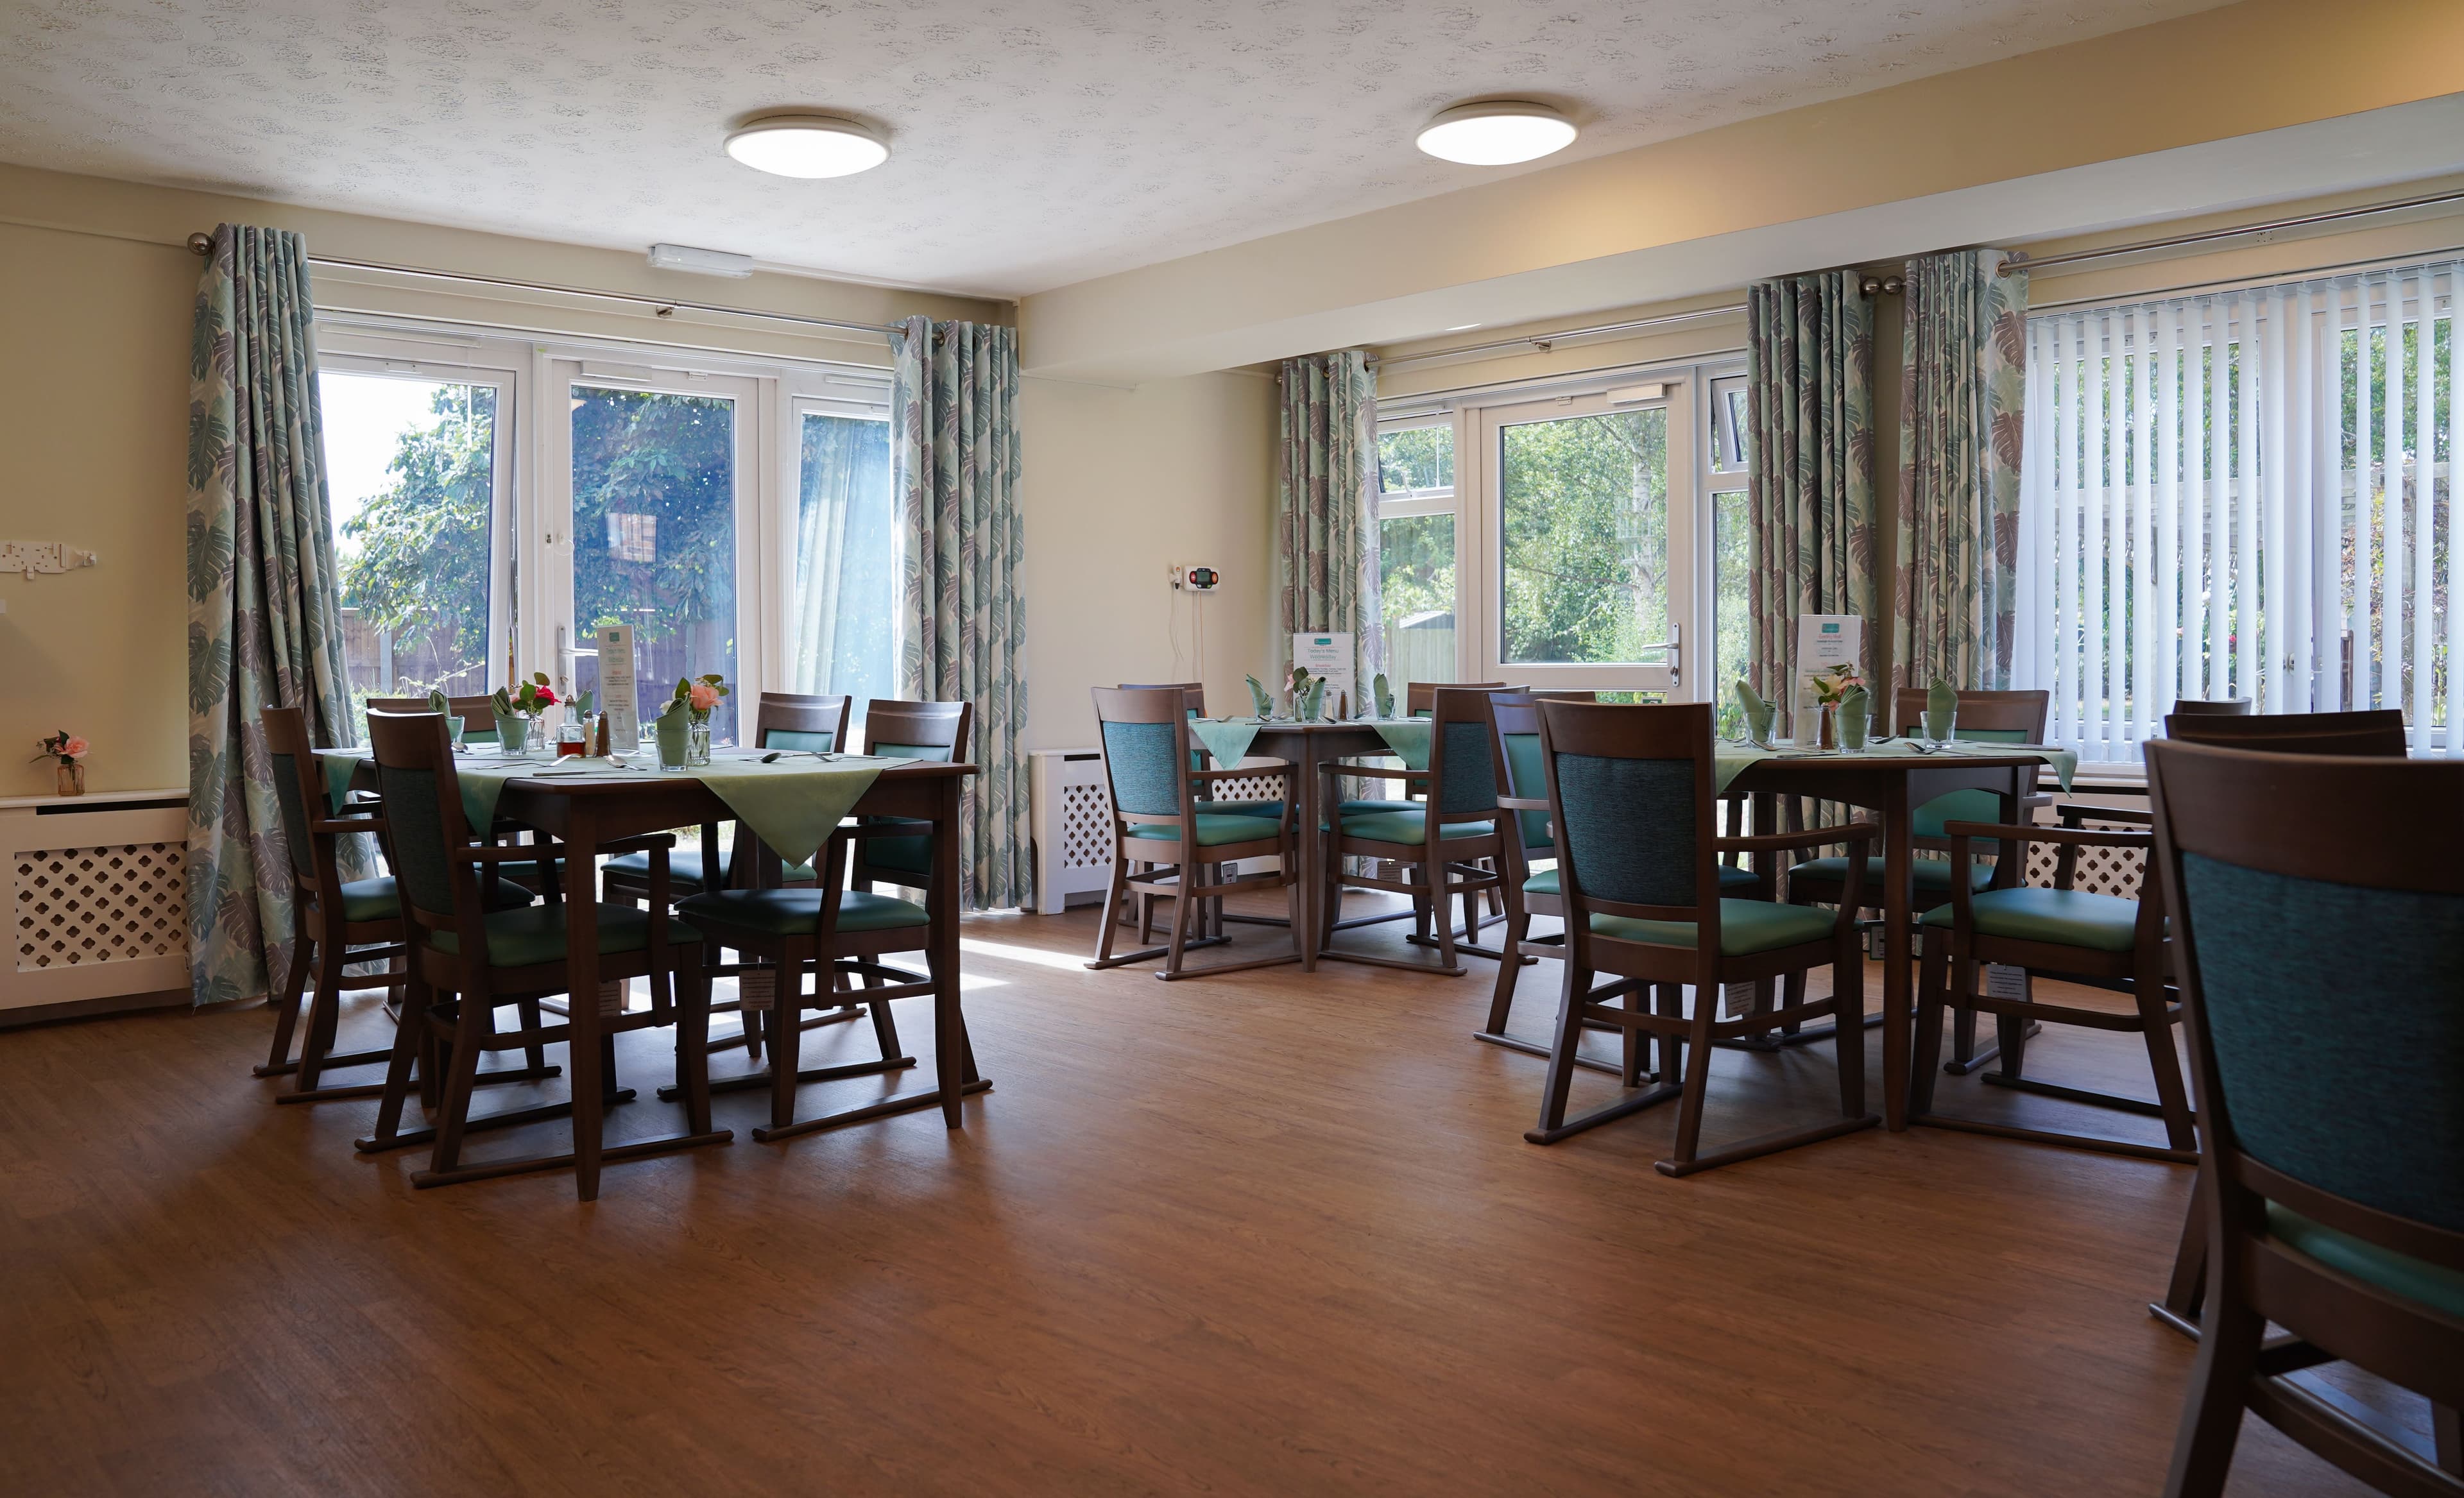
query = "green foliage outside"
x=422 y=565
x=1585 y=513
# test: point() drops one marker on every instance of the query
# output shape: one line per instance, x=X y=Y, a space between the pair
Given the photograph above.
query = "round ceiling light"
x=806 y=146
x=1496 y=133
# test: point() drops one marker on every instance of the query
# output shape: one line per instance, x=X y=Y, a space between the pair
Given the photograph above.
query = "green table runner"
x=1731 y=760
x=791 y=806
x=1228 y=739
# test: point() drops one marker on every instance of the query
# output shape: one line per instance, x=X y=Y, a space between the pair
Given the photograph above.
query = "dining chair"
x=2220 y=707
x=1177 y=851
x=466 y=960
x=2372 y=733
x=1440 y=849
x=340 y=921
x=2375 y=733
x=1631 y=799
x=780 y=720
x=815 y=940
x=2098 y=940
x=895 y=730
x=1419 y=699
x=1193 y=698
x=479 y=713
x=2337 y=1219
x=1523 y=794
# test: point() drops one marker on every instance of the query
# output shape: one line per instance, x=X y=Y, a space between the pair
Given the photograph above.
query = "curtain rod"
x=204 y=244
x=2022 y=261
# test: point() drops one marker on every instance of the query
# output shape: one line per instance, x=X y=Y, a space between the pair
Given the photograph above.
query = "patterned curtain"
x=1809 y=403
x=961 y=619
x=1964 y=384
x=1326 y=507
x=265 y=621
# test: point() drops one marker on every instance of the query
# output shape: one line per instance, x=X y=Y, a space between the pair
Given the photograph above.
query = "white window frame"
x=534 y=478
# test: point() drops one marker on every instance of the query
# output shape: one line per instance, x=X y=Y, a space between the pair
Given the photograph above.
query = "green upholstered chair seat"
x=1545 y=882
x=535 y=935
x=684 y=869
x=2397 y=1274
x=1932 y=874
x=1213 y=831
x=2057 y=918
x=377 y=898
x=797 y=913
x=1409 y=828
x=1746 y=927
x=1367 y=808
x=1242 y=808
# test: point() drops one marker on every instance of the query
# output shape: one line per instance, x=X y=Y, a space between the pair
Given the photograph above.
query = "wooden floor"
x=1270 y=1234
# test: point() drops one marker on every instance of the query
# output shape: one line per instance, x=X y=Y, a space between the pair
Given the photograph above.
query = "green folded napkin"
x=1941 y=710
x=793 y=804
x=1384 y=696
x=1228 y=739
x=1261 y=700
x=1760 y=715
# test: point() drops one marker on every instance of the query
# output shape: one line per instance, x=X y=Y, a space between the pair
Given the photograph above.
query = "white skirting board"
x=98 y=896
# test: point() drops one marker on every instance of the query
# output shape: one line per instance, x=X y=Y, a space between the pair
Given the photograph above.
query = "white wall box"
x=98 y=902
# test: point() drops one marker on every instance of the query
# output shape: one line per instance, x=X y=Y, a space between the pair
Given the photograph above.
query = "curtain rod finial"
x=201 y=243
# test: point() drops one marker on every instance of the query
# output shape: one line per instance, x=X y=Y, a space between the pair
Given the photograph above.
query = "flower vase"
x=675 y=737
x=700 y=752
x=1827 y=727
x=513 y=735
x=72 y=778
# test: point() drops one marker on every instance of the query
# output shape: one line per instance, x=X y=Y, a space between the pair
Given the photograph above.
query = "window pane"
x=411 y=468
x=1584 y=506
x=654 y=537
x=1416 y=578
x=1732 y=564
x=838 y=636
x=1416 y=458
x=1728 y=425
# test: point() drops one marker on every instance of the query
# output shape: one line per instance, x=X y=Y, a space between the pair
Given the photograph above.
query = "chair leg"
x=407 y=1048
x=885 y=1028
x=459 y=1075
x=1181 y=901
x=1631 y=1041
x=1848 y=1024
x=1932 y=974
x=693 y=1044
x=1556 y=1086
x=1791 y=990
x=1670 y=1002
x=1698 y=1080
x=1113 y=902
x=2203 y=1447
x=1438 y=902
x=1501 y=1004
x=788 y=1008
x=293 y=983
x=2172 y=1098
x=325 y=1014
x=536 y=1052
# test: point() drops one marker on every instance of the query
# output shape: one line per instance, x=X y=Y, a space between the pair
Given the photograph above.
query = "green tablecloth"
x=790 y=806
x=1731 y=760
x=1228 y=739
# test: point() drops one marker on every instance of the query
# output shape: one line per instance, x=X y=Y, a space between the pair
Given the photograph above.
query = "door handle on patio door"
x=1676 y=654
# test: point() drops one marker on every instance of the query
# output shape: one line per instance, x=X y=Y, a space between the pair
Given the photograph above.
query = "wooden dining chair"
x=2100 y=940
x=2221 y=707
x=340 y=921
x=1162 y=844
x=479 y=713
x=466 y=960
x=2334 y=1131
x=1419 y=699
x=1630 y=795
x=1438 y=849
x=894 y=730
x=2373 y=734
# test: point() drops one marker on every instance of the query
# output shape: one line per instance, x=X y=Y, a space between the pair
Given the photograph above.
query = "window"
x=1584 y=562
x=1732 y=539
x=412 y=475
x=2243 y=494
x=1415 y=548
x=497 y=496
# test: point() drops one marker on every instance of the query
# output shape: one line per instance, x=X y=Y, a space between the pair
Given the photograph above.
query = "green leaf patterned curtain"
x=1809 y=403
x=962 y=621
x=265 y=621
x=1326 y=507
x=1964 y=383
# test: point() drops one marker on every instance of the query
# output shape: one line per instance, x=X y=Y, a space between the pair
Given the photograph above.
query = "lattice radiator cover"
x=81 y=905
x=1070 y=819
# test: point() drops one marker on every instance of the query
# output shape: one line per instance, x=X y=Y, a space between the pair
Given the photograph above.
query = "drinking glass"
x=1855 y=722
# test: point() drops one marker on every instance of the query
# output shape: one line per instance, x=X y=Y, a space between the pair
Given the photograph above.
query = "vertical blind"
x=2243 y=494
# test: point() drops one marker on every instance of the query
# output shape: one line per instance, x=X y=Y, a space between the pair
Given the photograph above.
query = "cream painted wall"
x=1121 y=484
x=94 y=385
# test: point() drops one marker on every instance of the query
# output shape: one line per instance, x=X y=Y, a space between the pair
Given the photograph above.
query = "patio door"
x=1587 y=572
x=648 y=519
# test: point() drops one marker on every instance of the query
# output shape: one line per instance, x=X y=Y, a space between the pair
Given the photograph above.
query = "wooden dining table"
x=587 y=810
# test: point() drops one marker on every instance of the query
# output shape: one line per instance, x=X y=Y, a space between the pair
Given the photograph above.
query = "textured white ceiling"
x=1035 y=143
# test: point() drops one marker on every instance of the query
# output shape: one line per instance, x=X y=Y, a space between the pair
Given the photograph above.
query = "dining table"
x=781 y=805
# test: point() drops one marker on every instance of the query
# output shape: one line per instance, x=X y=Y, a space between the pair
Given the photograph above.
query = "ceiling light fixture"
x=806 y=146
x=1463 y=327
x=1496 y=133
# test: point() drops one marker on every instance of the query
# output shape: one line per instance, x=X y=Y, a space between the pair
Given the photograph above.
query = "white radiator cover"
x=98 y=896
x=1070 y=819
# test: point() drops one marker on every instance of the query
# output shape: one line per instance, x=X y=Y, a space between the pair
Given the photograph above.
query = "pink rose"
x=702 y=697
x=75 y=748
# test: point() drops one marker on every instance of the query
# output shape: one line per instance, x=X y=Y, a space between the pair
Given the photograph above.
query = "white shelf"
x=91 y=799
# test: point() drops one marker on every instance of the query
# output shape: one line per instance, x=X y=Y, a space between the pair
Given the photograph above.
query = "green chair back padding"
x=910 y=854
x=1470 y=773
x=1529 y=781
x=1966 y=805
x=938 y=754
x=2337 y=1017
x=1629 y=828
x=292 y=804
x=1140 y=758
x=823 y=741
x=415 y=822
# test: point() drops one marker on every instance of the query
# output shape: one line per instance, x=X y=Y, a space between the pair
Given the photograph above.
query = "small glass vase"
x=1827 y=726
x=512 y=735
x=700 y=752
x=72 y=774
x=1856 y=726
x=675 y=742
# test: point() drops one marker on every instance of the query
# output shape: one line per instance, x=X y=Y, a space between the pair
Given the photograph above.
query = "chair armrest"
x=519 y=853
x=1811 y=837
x=1521 y=803
x=2076 y=811
x=2038 y=833
x=635 y=845
x=1264 y=767
x=349 y=820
